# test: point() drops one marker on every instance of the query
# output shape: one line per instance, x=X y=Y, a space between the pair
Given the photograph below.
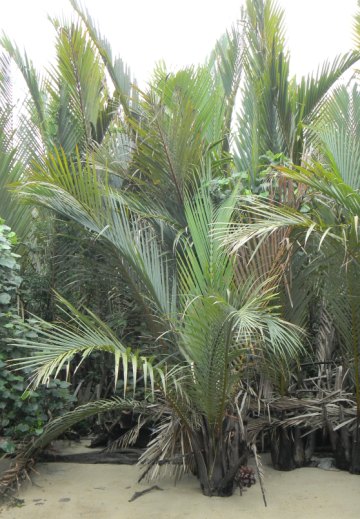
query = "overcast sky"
x=180 y=32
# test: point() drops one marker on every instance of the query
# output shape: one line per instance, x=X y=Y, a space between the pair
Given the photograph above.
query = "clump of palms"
x=211 y=330
x=328 y=229
x=135 y=169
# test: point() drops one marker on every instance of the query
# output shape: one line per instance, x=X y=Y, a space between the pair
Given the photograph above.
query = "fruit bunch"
x=245 y=477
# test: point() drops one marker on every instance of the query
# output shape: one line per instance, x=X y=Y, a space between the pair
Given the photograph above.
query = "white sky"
x=180 y=32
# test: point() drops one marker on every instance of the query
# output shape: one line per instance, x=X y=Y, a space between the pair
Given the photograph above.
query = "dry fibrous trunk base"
x=282 y=455
x=347 y=451
x=11 y=478
x=342 y=450
x=346 y=447
x=289 y=450
x=219 y=455
x=355 y=455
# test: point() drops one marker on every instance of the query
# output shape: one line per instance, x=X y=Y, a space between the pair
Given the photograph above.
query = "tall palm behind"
x=276 y=108
x=328 y=229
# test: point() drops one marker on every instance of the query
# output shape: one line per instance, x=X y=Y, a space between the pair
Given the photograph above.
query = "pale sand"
x=71 y=491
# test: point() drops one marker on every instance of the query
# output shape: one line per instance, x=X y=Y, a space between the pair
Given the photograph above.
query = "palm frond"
x=74 y=191
x=181 y=118
x=276 y=109
x=206 y=344
x=77 y=81
x=328 y=184
x=336 y=131
x=265 y=219
x=118 y=71
x=313 y=88
x=32 y=80
x=356 y=28
x=11 y=157
x=54 y=429
x=228 y=60
x=204 y=265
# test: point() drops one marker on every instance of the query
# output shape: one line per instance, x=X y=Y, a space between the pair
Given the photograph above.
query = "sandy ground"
x=71 y=491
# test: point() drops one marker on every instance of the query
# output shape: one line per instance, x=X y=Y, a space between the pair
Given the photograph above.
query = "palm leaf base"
x=289 y=450
x=347 y=449
x=355 y=453
x=220 y=458
x=293 y=426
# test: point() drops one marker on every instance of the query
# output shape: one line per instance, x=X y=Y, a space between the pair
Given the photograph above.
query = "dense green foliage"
x=23 y=411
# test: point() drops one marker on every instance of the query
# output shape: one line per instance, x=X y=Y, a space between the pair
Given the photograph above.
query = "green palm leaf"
x=73 y=340
x=118 y=71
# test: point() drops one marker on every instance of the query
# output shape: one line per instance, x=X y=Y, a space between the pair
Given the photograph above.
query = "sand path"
x=71 y=491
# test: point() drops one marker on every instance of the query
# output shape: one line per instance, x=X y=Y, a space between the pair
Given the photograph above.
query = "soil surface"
x=72 y=491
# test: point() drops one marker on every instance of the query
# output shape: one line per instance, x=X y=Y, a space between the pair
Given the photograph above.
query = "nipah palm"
x=72 y=106
x=276 y=108
x=328 y=227
x=211 y=331
x=143 y=190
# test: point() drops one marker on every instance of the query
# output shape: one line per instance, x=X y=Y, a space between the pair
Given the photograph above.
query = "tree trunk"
x=347 y=448
x=219 y=456
x=298 y=448
x=289 y=450
x=355 y=452
x=282 y=447
x=342 y=451
x=309 y=447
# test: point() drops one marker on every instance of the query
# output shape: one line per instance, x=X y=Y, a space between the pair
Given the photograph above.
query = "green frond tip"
x=57 y=346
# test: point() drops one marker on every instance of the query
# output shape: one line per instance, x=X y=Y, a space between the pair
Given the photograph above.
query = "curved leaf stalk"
x=26 y=456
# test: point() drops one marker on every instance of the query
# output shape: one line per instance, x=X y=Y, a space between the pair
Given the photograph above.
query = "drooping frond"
x=73 y=340
x=73 y=190
x=328 y=185
x=54 y=429
x=260 y=219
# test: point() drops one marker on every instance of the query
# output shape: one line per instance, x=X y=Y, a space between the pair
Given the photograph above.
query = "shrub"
x=23 y=412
